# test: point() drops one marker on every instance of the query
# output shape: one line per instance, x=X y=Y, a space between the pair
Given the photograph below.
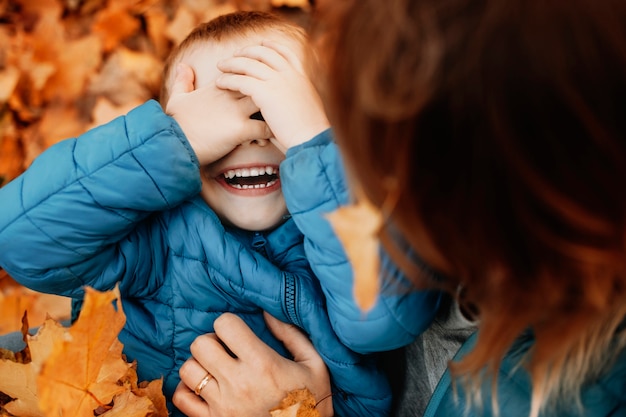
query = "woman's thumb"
x=293 y=338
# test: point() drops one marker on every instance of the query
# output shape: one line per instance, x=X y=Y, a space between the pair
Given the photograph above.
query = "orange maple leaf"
x=357 y=228
x=77 y=371
x=83 y=370
x=19 y=379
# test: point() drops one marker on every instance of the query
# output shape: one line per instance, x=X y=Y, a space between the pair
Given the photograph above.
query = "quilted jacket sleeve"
x=73 y=217
x=314 y=184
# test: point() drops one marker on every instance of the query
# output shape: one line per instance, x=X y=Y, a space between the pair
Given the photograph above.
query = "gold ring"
x=202 y=384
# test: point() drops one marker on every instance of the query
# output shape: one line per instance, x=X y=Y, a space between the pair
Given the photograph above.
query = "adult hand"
x=256 y=379
x=273 y=75
x=213 y=120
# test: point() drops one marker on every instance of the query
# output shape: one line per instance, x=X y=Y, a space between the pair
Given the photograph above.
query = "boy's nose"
x=259 y=142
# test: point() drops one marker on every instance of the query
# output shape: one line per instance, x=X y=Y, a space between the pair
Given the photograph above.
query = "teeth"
x=248 y=187
x=249 y=172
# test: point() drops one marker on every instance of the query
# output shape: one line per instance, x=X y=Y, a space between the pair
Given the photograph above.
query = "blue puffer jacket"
x=314 y=184
x=120 y=205
x=604 y=396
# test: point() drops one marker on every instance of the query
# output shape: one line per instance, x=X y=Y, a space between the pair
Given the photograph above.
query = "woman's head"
x=497 y=127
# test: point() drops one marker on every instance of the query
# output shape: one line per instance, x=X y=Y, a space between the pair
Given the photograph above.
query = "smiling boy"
x=242 y=187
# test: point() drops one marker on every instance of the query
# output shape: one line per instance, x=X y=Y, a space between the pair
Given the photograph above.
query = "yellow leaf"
x=357 y=227
x=82 y=372
x=19 y=380
x=154 y=391
x=297 y=403
x=130 y=405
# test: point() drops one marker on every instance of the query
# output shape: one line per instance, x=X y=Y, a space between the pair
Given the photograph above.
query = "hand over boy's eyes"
x=273 y=76
x=214 y=121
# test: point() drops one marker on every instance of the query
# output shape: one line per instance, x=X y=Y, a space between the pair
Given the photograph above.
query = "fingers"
x=196 y=376
x=261 y=61
x=189 y=403
x=293 y=338
x=247 y=106
x=238 y=337
x=236 y=82
x=207 y=350
x=254 y=60
x=294 y=59
x=304 y=353
x=253 y=128
x=202 y=384
x=257 y=129
x=184 y=79
x=249 y=66
x=278 y=145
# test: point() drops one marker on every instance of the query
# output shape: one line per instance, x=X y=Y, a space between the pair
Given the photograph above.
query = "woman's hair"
x=498 y=128
x=225 y=27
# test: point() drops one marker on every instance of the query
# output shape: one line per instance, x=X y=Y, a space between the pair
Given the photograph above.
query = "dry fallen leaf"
x=15 y=299
x=357 y=227
x=19 y=380
x=298 y=403
x=77 y=370
x=82 y=371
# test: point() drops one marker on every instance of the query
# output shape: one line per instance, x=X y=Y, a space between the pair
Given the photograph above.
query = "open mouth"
x=251 y=178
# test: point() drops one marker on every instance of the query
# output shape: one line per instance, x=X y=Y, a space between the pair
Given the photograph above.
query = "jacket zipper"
x=259 y=243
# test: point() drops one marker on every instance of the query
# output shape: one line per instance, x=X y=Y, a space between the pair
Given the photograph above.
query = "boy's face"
x=243 y=187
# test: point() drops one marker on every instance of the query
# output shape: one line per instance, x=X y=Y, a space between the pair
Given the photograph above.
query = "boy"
x=189 y=225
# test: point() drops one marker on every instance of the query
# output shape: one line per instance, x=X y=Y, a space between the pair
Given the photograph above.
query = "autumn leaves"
x=74 y=371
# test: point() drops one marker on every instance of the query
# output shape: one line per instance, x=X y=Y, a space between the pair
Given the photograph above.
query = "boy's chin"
x=254 y=224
